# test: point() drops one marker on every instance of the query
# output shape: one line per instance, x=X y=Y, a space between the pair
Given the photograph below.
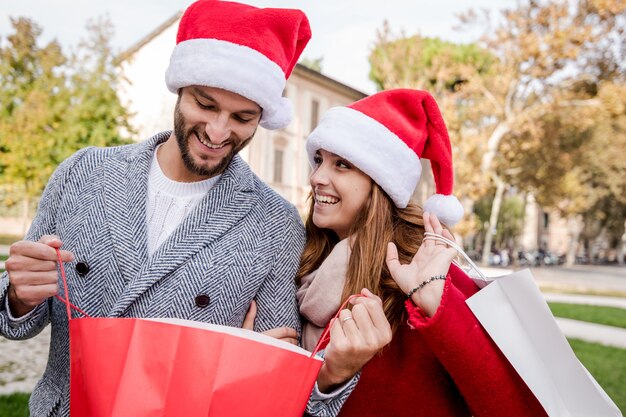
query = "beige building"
x=278 y=157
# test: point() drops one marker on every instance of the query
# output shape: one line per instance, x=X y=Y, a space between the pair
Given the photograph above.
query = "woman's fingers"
x=436 y=224
x=428 y=228
x=450 y=236
x=374 y=329
x=248 y=321
x=393 y=263
x=286 y=334
x=374 y=308
x=369 y=295
x=349 y=325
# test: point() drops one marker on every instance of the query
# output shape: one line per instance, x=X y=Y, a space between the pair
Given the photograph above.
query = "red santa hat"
x=385 y=135
x=242 y=49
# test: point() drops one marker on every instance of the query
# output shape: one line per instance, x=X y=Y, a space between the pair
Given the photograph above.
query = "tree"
x=570 y=162
x=32 y=94
x=510 y=218
x=445 y=70
x=534 y=50
x=53 y=105
x=96 y=117
x=539 y=45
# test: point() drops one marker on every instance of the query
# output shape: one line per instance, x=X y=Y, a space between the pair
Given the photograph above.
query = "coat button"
x=82 y=268
x=202 y=300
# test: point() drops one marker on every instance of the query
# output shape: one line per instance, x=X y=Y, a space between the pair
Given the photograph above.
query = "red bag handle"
x=325 y=336
x=66 y=300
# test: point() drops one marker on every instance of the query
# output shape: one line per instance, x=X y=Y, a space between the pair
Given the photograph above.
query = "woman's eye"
x=317 y=160
x=343 y=164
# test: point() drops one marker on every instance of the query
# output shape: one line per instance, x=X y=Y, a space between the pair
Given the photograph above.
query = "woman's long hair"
x=378 y=223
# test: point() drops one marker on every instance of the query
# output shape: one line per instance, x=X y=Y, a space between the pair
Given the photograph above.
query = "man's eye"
x=241 y=119
x=205 y=106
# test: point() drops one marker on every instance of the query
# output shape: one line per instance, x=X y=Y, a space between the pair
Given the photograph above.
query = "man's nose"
x=218 y=129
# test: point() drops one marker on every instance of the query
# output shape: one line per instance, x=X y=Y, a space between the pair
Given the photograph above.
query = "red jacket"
x=446 y=365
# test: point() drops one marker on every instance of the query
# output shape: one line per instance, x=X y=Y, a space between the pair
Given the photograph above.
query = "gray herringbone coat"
x=241 y=242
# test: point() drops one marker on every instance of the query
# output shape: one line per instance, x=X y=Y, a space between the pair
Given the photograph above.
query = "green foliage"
x=607 y=365
x=510 y=218
x=32 y=96
x=53 y=105
x=610 y=316
x=427 y=63
x=315 y=64
x=14 y=405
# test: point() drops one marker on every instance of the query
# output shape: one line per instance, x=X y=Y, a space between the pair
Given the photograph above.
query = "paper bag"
x=145 y=368
x=131 y=367
x=516 y=316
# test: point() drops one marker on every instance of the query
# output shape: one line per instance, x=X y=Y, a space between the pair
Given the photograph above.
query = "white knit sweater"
x=169 y=202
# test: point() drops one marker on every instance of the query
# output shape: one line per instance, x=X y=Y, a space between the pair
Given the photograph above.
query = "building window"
x=315 y=113
x=546 y=220
x=278 y=166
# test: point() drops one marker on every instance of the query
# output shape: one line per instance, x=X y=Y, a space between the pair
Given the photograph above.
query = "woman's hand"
x=286 y=334
x=432 y=259
x=355 y=337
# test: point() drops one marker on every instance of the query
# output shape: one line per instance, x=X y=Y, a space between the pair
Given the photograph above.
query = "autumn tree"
x=534 y=49
x=445 y=70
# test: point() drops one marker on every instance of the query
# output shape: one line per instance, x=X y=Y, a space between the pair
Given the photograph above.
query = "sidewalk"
x=581 y=279
x=591 y=332
x=593 y=300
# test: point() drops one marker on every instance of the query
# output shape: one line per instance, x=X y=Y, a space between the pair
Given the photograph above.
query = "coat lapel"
x=126 y=188
x=225 y=205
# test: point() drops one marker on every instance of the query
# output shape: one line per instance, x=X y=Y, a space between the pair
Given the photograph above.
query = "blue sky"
x=343 y=30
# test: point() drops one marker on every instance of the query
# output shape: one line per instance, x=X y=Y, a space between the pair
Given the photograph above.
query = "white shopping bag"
x=516 y=316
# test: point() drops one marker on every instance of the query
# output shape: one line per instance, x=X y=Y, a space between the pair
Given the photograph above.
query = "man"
x=176 y=226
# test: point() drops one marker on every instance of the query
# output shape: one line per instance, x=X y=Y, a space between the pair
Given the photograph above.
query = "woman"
x=364 y=233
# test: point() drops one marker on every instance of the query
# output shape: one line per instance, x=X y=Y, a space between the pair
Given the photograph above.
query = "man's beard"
x=183 y=136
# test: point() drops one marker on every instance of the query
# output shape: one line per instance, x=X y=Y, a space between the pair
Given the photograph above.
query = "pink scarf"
x=319 y=295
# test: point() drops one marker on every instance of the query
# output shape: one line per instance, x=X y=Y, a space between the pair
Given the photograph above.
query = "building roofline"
x=312 y=74
x=123 y=56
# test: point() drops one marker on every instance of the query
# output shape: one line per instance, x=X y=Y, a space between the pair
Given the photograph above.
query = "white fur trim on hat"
x=447 y=208
x=235 y=68
x=371 y=147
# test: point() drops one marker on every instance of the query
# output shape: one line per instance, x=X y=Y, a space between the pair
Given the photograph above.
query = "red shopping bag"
x=127 y=367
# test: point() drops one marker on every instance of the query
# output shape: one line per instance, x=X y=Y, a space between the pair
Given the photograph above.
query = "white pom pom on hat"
x=240 y=48
x=385 y=135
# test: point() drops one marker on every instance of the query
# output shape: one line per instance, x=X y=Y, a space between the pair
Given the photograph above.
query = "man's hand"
x=286 y=334
x=32 y=269
x=355 y=337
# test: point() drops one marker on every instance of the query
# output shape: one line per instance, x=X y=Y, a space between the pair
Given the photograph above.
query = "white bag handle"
x=439 y=238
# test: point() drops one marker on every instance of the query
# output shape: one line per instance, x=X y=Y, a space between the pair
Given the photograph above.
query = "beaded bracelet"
x=423 y=284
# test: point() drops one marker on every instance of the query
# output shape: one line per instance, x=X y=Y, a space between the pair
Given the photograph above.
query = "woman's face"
x=340 y=191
